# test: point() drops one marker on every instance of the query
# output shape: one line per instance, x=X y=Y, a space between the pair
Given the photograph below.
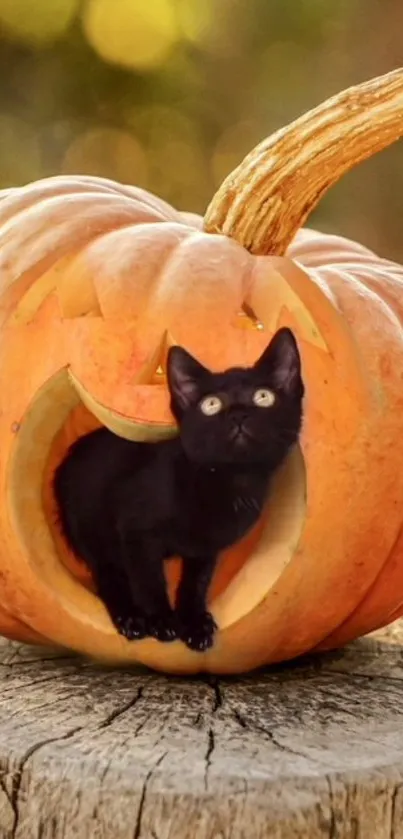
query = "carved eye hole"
x=211 y=405
x=264 y=398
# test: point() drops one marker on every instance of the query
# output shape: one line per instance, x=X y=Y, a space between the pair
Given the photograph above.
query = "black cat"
x=125 y=507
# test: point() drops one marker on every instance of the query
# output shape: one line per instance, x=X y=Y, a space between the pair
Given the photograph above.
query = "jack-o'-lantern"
x=97 y=280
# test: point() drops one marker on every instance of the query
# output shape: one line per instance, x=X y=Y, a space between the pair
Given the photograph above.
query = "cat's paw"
x=163 y=627
x=197 y=631
x=132 y=627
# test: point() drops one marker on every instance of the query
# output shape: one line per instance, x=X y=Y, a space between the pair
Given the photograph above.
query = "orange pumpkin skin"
x=96 y=280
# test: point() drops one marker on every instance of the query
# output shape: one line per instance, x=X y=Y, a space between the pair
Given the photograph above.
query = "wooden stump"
x=308 y=750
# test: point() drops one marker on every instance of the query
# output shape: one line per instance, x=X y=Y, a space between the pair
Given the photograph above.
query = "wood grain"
x=303 y=751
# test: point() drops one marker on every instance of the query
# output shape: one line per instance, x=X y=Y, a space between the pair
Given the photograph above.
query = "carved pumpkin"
x=98 y=279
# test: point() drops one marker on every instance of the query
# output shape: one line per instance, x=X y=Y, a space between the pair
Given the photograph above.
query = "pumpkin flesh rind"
x=353 y=400
x=47 y=363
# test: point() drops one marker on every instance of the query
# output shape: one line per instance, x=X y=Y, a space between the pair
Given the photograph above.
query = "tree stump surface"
x=308 y=750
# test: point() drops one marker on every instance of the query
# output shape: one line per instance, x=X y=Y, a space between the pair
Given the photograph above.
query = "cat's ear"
x=282 y=363
x=184 y=374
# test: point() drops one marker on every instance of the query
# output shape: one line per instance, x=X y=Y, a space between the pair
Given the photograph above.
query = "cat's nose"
x=239 y=420
x=239 y=433
x=238 y=424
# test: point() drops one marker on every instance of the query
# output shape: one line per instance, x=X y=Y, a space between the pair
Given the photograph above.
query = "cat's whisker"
x=246 y=503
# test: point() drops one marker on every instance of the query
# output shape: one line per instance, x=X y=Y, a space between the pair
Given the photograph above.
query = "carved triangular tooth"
x=75 y=294
x=270 y=300
x=76 y=291
x=248 y=319
x=170 y=340
x=147 y=371
x=160 y=371
x=153 y=370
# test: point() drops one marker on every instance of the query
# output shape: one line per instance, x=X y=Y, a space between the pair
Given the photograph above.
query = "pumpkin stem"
x=269 y=195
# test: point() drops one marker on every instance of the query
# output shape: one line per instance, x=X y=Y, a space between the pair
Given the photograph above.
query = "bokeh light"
x=214 y=26
x=197 y=19
x=232 y=145
x=37 y=21
x=176 y=161
x=133 y=33
x=20 y=154
x=171 y=94
x=108 y=152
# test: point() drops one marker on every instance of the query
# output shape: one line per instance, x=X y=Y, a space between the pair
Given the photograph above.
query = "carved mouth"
x=245 y=573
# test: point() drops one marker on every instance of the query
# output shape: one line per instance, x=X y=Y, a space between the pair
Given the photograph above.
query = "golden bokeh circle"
x=108 y=152
x=37 y=22
x=133 y=33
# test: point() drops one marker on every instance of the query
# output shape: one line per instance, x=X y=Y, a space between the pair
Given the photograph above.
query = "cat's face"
x=244 y=415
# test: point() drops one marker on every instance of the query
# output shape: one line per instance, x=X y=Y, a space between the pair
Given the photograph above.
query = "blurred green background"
x=170 y=94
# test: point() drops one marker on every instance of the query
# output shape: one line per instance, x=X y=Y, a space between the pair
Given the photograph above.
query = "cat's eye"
x=264 y=398
x=211 y=405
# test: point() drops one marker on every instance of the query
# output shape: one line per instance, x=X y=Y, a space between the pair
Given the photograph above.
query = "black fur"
x=125 y=507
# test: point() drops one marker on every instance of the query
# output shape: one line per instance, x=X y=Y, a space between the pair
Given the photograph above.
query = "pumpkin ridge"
x=101 y=245
x=350 y=627
x=54 y=243
x=188 y=253
x=75 y=185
